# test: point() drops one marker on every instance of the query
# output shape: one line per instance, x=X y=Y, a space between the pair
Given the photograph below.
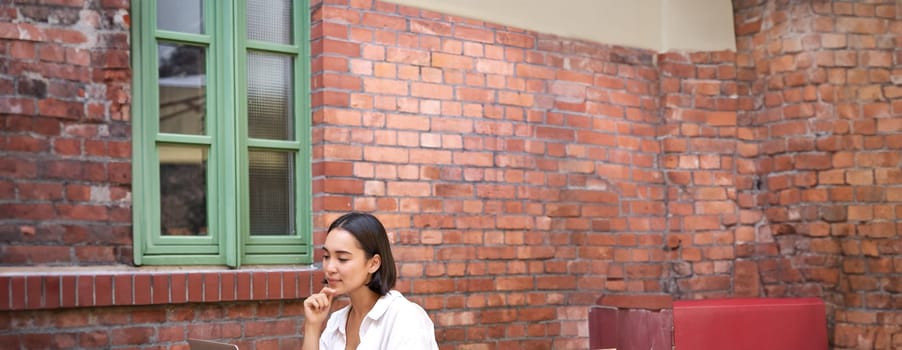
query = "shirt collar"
x=339 y=318
x=337 y=321
x=382 y=305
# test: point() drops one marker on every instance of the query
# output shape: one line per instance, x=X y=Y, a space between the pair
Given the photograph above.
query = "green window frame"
x=221 y=127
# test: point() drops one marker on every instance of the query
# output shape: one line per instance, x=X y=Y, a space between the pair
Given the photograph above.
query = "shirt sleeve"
x=412 y=329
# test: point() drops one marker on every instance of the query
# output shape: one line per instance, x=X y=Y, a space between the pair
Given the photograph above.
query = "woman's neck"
x=362 y=301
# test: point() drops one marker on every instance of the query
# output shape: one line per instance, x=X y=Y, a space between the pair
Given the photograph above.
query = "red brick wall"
x=703 y=159
x=516 y=171
x=64 y=98
x=826 y=140
x=250 y=325
x=521 y=175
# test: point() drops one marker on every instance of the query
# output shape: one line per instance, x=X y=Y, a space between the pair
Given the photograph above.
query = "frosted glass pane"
x=182 y=81
x=269 y=102
x=269 y=21
x=181 y=15
x=272 y=201
x=183 y=190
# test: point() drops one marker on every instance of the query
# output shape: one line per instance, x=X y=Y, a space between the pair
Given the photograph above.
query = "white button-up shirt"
x=394 y=323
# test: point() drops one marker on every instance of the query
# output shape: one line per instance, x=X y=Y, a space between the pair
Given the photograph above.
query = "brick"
x=339 y=81
x=344 y=48
x=22 y=50
x=876 y=58
x=813 y=161
x=82 y=212
x=386 y=154
x=9 y=30
x=473 y=34
x=60 y=109
x=258 y=284
x=879 y=159
x=845 y=58
x=425 y=26
x=515 y=39
x=442 y=60
x=435 y=91
x=533 y=71
x=722 y=118
x=415 y=189
x=514 y=283
x=103 y=58
x=102 y=289
x=23 y=31
x=385 y=86
x=134 y=335
x=96 y=254
x=860 y=25
x=407 y=56
x=498 y=67
x=86 y=288
x=384 y=21
x=475 y=95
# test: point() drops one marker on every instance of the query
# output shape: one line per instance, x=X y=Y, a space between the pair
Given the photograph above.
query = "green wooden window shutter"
x=221 y=133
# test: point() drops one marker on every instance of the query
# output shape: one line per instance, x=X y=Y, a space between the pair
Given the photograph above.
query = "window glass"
x=269 y=89
x=182 y=76
x=271 y=192
x=269 y=21
x=183 y=190
x=181 y=15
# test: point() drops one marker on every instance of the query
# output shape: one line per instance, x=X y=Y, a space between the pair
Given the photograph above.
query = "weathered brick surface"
x=497 y=158
x=66 y=135
x=250 y=325
x=821 y=131
x=521 y=175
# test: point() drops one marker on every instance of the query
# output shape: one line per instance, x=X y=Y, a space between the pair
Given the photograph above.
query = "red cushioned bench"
x=754 y=323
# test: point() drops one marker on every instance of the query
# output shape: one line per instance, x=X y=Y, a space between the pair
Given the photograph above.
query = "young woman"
x=358 y=263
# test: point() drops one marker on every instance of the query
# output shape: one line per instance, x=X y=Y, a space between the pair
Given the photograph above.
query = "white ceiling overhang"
x=660 y=25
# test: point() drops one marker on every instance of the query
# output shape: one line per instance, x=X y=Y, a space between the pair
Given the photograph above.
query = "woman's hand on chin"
x=317 y=306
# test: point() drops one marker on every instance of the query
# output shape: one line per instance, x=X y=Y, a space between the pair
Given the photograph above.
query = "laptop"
x=198 y=344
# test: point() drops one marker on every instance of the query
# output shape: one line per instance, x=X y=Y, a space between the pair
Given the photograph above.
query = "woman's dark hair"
x=373 y=239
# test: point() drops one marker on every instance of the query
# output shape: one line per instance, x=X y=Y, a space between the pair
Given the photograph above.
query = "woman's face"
x=345 y=263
